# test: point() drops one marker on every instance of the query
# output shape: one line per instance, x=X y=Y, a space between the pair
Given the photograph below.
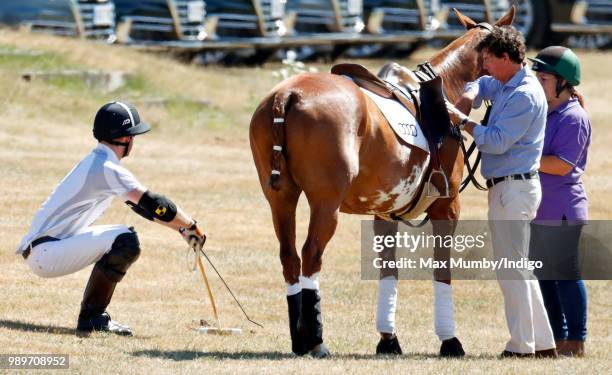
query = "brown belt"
x=36 y=242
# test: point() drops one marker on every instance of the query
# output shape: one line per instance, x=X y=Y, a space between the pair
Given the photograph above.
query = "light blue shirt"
x=513 y=140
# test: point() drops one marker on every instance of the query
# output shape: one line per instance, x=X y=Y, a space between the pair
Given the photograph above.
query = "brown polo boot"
x=572 y=348
x=560 y=344
x=97 y=296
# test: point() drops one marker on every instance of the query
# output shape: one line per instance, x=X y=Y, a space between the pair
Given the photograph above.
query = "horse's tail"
x=280 y=107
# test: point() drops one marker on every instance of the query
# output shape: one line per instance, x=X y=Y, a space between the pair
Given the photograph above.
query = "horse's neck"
x=451 y=65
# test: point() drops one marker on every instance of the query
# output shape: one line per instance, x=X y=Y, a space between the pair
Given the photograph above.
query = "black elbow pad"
x=156 y=206
x=136 y=208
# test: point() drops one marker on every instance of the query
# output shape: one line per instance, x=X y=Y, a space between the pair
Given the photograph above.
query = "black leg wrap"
x=389 y=346
x=298 y=345
x=451 y=348
x=312 y=324
x=124 y=252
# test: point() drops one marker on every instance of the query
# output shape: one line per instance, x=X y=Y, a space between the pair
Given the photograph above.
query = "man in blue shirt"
x=511 y=147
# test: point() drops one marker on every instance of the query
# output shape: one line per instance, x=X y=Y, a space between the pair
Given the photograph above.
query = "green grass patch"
x=70 y=85
x=136 y=86
x=15 y=59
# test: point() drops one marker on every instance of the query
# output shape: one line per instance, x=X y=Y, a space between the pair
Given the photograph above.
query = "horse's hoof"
x=389 y=347
x=451 y=348
x=299 y=350
x=320 y=351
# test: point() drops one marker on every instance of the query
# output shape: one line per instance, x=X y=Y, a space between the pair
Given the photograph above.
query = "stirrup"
x=444 y=194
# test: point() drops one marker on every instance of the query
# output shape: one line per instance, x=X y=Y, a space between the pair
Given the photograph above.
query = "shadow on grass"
x=55 y=330
x=32 y=327
x=407 y=356
x=189 y=355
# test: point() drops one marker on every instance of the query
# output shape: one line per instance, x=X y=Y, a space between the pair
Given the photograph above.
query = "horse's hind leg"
x=323 y=222
x=283 y=204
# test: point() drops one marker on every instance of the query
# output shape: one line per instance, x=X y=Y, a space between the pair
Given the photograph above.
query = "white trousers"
x=512 y=206
x=72 y=254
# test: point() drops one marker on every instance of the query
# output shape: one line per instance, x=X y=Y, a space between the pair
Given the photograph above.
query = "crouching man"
x=62 y=239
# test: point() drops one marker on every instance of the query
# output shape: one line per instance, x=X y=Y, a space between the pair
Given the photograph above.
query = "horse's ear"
x=507 y=18
x=466 y=21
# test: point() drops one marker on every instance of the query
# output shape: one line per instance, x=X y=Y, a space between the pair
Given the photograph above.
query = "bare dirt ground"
x=200 y=157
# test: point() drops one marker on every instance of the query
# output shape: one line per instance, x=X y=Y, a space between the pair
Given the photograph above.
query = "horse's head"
x=459 y=62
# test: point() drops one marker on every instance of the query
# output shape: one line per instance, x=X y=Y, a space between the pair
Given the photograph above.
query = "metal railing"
x=247 y=18
x=486 y=11
x=188 y=17
x=85 y=19
x=181 y=20
x=95 y=20
x=325 y=16
x=588 y=17
x=399 y=16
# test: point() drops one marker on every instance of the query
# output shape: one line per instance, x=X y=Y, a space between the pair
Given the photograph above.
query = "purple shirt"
x=568 y=136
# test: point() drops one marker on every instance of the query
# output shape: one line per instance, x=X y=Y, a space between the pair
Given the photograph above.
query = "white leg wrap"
x=444 y=321
x=311 y=282
x=293 y=289
x=387 y=304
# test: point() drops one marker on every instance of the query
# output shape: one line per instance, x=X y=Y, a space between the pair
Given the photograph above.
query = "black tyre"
x=533 y=20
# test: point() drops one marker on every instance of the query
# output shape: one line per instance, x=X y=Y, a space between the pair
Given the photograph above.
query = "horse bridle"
x=485 y=25
x=471 y=169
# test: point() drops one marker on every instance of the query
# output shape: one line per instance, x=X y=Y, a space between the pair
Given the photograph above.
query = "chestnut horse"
x=321 y=135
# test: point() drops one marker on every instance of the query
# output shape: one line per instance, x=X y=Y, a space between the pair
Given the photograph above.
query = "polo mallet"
x=218 y=330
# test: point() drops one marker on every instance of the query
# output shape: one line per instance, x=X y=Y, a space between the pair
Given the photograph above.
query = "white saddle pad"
x=402 y=121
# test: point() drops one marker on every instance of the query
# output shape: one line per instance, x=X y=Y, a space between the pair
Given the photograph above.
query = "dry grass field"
x=200 y=157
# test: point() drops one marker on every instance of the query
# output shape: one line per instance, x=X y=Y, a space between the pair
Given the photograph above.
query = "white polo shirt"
x=81 y=197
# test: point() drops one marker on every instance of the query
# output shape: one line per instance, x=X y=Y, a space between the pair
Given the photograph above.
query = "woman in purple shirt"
x=556 y=229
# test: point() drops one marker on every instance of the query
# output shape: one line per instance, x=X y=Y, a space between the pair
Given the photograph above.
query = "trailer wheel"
x=533 y=20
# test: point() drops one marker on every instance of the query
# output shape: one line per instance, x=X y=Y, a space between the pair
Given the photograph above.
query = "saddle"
x=426 y=103
x=364 y=78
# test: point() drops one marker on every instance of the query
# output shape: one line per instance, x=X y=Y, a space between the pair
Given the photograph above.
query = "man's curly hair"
x=504 y=39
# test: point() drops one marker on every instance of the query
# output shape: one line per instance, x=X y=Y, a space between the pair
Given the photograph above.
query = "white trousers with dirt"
x=72 y=254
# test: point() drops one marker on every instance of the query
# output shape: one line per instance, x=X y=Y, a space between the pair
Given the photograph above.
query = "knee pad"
x=124 y=251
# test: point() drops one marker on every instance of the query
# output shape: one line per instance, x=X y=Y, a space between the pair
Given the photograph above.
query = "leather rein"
x=467 y=153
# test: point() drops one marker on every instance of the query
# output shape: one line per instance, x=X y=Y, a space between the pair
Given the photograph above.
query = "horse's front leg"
x=444 y=214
